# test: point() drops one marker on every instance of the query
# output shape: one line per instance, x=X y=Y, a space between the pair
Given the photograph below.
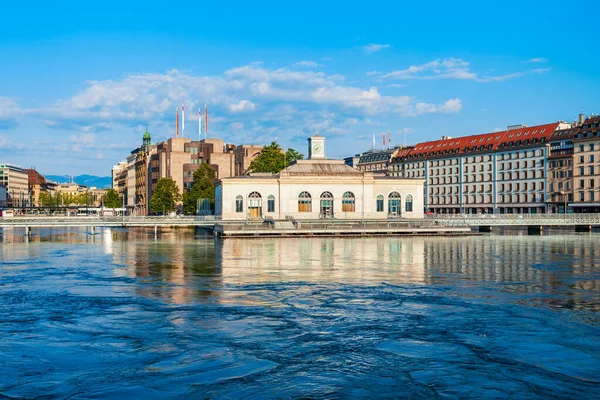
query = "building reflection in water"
x=330 y=260
x=177 y=266
x=183 y=266
x=555 y=270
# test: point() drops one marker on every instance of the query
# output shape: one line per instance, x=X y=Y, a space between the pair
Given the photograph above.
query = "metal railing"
x=515 y=219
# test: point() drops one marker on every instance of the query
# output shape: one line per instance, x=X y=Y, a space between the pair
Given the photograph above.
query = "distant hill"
x=100 y=182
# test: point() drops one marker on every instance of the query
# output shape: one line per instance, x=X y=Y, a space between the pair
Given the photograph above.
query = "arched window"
x=326 y=205
x=304 y=202
x=379 y=203
x=255 y=205
x=348 y=204
x=394 y=202
x=271 y=203
x=408 y=205
x=239 y=204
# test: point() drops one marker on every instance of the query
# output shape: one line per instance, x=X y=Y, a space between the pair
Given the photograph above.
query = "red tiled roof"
x=481 y=143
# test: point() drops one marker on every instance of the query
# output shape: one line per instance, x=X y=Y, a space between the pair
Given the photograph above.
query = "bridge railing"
x=515 y=219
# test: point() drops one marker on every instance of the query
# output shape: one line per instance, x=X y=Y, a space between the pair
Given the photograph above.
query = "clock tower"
x=316 y=147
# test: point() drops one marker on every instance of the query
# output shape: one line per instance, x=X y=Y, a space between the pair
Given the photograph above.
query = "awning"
x=584 y=205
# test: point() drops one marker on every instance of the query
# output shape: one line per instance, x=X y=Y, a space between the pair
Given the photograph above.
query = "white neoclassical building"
x=318 y=188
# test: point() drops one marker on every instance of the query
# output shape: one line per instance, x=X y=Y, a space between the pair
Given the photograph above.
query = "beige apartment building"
x=500 y=172
x=119 y=177
x=586 y=166
x=16 y=181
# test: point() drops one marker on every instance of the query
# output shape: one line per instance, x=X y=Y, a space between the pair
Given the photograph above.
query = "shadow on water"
x=122 y=313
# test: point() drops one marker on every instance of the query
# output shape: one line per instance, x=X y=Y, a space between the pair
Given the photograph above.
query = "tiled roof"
x=514 y=138
x=590 y=128
x=528 y=136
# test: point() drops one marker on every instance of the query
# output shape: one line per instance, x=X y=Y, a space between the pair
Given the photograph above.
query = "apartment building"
x=560 y=171
x=500 y=172
x=130 y=198
x=142 y=175
x=16 y=181
x=586 y=167
x=119 y=178
x=376 y=160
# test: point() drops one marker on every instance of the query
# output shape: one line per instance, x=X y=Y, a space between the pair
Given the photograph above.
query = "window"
x=582 y=196
x=591 y=156
x=394 y=201
x=408 y=206
x=379 y=203
x=348 y=204
x=592 y=170
x=592 y=196
x=271 y=203
x=591 y=183
x=581 y=148
x=304 y=202
x=239 y=204
x=581 y=159
x=581 y=184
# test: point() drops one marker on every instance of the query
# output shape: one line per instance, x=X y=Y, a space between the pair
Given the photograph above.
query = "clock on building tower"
x=316 y=147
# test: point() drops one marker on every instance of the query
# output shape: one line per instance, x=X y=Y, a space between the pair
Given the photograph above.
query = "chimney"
x=581 y=119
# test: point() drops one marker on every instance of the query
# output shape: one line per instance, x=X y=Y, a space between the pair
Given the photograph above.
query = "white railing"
x=515 y=219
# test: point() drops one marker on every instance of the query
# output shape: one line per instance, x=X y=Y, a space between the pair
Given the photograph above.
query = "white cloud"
x=538 y=60
x=452 y=68
x=250 y=104
x=9 y=111
x=374 y=47
x=307 y=64
x=241 y=106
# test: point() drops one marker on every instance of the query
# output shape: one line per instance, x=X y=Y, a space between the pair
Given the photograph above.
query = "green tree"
x=165 y=196
x=202 y=188
x=112 y=199
x=46 y=200
x=273 y=159
x=292 y=155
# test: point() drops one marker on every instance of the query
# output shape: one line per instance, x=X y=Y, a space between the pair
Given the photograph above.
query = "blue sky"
x=78 y=82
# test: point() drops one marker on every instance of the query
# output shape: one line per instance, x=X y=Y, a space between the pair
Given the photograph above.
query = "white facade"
x=318 y=189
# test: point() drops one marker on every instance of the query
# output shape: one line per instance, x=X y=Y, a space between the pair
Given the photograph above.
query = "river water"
x=121 y=314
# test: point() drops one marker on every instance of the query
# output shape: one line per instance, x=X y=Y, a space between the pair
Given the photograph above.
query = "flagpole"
x=199 y=125
x=182 y=121
x=205 y=121
x=177 y=122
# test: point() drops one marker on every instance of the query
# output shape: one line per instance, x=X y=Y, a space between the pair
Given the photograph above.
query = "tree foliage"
x=112 y=199
x=59 y=199
x=273 y=159
x=202 y=188
x=165 y=196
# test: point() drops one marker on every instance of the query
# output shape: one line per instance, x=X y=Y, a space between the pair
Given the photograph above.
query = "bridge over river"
x=29 y=222
x=534 y=222
x=485 y=222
